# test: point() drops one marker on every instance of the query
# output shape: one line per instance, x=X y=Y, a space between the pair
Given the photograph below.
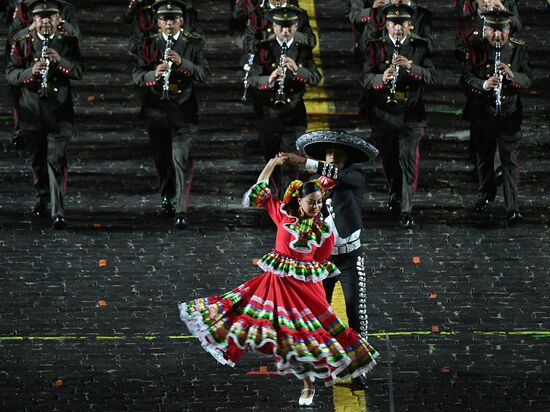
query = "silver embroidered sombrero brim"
x=315 y=144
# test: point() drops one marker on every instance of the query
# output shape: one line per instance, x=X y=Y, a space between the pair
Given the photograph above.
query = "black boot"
x=394 y=203
x=181 y=221
x=167 y=206
x=40 y=209
x=514 y=217
x=407 y=221
x=483 y=204
x=59 y=223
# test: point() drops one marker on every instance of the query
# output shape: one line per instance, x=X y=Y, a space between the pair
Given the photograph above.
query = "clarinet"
x=280 y=101
x=44 y=59
x=166 y=75
x=391 y=98
x=498 y=88
x=246 y=69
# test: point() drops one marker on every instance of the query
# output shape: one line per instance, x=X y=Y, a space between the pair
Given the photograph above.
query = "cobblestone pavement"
x=458 y=308
x=89 y=321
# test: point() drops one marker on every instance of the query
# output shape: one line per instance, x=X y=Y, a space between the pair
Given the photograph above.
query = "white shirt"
x=401 y=40
x=174 y=36
x=288 y=43
x=271 y=6
x=43 y=38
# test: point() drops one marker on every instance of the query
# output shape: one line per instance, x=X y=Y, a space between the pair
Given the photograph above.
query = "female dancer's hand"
x=280 y=158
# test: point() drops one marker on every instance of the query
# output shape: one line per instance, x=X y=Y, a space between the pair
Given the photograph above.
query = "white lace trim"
x=266 y=267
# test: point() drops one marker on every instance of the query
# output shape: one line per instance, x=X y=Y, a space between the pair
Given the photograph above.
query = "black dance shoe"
x=360 y=383
x=59 y=223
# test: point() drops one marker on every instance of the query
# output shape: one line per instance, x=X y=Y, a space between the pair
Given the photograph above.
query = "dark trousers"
x=49 y=164
x=353 y=281
x=493 y=134
x=171 y=153
x=400 y=155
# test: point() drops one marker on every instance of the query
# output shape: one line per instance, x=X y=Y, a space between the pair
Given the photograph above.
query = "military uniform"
x=375 y=24
x=172 y=124
x=259 y=28
x=398 y=128
x=470 y=24
x=144 y=22
x=22 y=17
x=492 y=131
x=46 y=124
x=280 y=125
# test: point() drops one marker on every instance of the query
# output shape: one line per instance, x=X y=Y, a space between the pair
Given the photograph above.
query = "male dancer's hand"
x=295 y=160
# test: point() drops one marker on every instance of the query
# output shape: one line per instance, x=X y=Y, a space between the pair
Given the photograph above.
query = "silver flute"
x=391 y=98
x=497 y=73
x=280 y=101
x=44 y=59
x=166 y=75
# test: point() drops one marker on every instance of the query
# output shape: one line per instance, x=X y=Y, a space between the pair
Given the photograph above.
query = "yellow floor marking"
x=316 y=98
x=337 y=304
x=344 y=397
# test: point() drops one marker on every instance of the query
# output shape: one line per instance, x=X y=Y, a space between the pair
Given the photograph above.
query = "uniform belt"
x=347 y=248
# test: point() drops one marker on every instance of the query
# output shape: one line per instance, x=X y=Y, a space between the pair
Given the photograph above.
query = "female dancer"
x=284 y=312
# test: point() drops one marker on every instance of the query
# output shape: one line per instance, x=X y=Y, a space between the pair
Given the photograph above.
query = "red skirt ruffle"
x=284 y=317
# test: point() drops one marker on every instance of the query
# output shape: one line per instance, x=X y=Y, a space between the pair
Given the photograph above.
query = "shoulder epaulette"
x=191 y=35
x=65 y=29
x=517 y=41
x=416 y=37
x=21 y=36
x=375 y=40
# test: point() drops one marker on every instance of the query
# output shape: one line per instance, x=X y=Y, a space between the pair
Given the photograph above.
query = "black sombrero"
x=315 y=144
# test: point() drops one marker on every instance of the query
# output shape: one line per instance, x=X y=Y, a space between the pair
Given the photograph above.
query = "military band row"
x=168 y=51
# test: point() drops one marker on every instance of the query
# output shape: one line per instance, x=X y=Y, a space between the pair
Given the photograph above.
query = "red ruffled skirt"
x=284 y=317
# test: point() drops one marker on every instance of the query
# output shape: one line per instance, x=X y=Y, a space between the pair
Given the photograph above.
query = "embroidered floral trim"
x=284 y=266
x=307 y=233
x=256 y=195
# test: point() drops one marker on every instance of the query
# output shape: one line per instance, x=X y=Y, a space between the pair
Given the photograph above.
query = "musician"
x=260 y=29
x=395 y=109
x=470 y=22
x=278 y=83
x=42 y=63
x=141 y=15
x=495 y=117
x=374 y=23
x=21 y=17
x=170 y=110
